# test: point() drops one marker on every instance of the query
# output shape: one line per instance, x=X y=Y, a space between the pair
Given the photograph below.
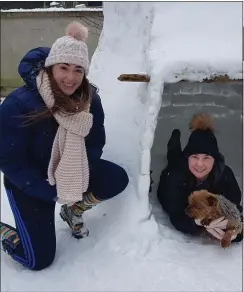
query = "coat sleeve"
x=174 y=201
x=233 y=193
x=96 y=139
x=232 y=190
x=15 y=163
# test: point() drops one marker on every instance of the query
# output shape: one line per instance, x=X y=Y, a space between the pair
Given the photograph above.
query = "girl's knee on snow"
x=43 y=262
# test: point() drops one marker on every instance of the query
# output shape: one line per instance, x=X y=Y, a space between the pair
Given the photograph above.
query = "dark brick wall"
x=21 y=4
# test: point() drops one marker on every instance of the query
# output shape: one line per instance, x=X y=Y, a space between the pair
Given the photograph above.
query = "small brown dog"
x=208 y=207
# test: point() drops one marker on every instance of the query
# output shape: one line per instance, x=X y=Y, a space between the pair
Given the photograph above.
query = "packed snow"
x=127 y=249
x=54 y=3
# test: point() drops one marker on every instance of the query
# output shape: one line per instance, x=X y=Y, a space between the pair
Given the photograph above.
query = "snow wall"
x=170 y=42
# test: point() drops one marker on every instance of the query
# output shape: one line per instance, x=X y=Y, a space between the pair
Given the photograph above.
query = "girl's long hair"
x=67 y=105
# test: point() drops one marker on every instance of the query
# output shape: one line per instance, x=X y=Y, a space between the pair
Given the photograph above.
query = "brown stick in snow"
x=134 y=78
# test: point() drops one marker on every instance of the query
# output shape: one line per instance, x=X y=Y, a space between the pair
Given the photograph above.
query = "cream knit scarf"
x=68 y=167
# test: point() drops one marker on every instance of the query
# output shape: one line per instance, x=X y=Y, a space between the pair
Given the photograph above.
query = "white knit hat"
x=71 y=48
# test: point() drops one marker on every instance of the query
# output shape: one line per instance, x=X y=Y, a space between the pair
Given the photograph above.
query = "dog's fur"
x=206 y=207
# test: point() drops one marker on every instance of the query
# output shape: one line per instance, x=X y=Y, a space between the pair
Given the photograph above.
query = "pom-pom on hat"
x=71 y=48
x=202 y=139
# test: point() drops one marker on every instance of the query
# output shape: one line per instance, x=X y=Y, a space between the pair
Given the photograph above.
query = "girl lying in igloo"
x=200 y=166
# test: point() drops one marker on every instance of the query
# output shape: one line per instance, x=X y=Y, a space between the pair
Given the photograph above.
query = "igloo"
x=192 y=53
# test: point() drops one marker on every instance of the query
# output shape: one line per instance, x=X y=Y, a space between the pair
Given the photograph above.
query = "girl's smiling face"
x=68 y=77
x=200 y=165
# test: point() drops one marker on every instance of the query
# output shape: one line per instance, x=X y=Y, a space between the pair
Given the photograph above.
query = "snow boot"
x=73 y=214
x=75 y=221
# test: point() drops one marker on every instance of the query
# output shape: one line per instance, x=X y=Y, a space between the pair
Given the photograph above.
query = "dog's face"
x=201 y=205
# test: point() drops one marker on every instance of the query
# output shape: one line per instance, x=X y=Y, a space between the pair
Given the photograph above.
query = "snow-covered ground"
x=127 y=250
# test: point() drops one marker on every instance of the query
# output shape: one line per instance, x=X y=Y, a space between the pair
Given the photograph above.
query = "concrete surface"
x=21 y=32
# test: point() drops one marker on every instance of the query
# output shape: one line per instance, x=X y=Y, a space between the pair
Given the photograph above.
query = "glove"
x=216 y=227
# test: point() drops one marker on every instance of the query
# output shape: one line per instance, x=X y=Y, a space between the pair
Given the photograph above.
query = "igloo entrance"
x=223 y=100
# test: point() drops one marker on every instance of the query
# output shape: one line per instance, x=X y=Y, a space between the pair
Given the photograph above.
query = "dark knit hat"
x=202 y=139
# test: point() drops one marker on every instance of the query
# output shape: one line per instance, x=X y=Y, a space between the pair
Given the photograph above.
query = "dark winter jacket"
x=25 y=151
x=176 y=185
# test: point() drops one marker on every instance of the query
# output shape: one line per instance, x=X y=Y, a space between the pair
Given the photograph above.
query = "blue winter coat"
x=25 y=151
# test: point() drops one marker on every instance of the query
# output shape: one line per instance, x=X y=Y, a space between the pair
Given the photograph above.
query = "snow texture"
x=127 y=250
x=54 y=3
